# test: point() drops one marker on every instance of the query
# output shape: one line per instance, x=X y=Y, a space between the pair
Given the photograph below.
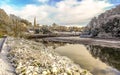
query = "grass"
x=1 y=36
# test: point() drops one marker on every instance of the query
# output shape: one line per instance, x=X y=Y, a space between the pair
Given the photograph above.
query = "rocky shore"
x=32 y=58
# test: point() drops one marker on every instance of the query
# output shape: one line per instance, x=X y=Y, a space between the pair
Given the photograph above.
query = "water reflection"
x=54 y=45
x=110 y=56
x=92 y=58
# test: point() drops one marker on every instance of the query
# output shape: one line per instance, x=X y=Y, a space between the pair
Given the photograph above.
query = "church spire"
x=35 y=22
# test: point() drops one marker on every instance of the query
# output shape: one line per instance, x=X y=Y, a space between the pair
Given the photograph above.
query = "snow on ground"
x=32 y=58
x=5 y=67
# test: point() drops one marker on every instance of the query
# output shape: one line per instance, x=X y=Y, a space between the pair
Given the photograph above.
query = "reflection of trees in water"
x=54 y=44
x=111 y=56
x=48 y=44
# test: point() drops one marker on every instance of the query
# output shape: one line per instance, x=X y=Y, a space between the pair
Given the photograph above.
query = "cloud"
x=76 y=12
x=69 y=12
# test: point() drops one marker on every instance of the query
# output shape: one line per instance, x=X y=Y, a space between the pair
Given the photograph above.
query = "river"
x=98 y=60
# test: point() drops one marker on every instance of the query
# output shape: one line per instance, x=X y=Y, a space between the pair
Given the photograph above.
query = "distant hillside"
x=11 y=24
x=106 y=25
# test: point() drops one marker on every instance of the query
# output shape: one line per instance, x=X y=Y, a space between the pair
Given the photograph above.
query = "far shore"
x=87 y=41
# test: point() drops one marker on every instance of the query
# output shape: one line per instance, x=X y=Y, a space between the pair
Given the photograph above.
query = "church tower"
x=34 y=25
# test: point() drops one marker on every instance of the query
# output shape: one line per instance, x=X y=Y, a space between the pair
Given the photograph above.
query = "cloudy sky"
x=63 y=12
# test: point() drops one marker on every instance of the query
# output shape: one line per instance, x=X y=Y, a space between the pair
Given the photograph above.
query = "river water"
x=98 y=60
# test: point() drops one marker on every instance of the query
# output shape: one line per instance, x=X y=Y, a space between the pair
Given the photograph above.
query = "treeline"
x=12 y=25
x=15 y=26
x=60 y=28
x=106 y=25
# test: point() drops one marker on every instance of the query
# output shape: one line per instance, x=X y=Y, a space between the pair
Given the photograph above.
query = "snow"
x=5 y=67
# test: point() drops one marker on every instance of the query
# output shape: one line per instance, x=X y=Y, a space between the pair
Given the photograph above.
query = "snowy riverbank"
x=31 y=58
